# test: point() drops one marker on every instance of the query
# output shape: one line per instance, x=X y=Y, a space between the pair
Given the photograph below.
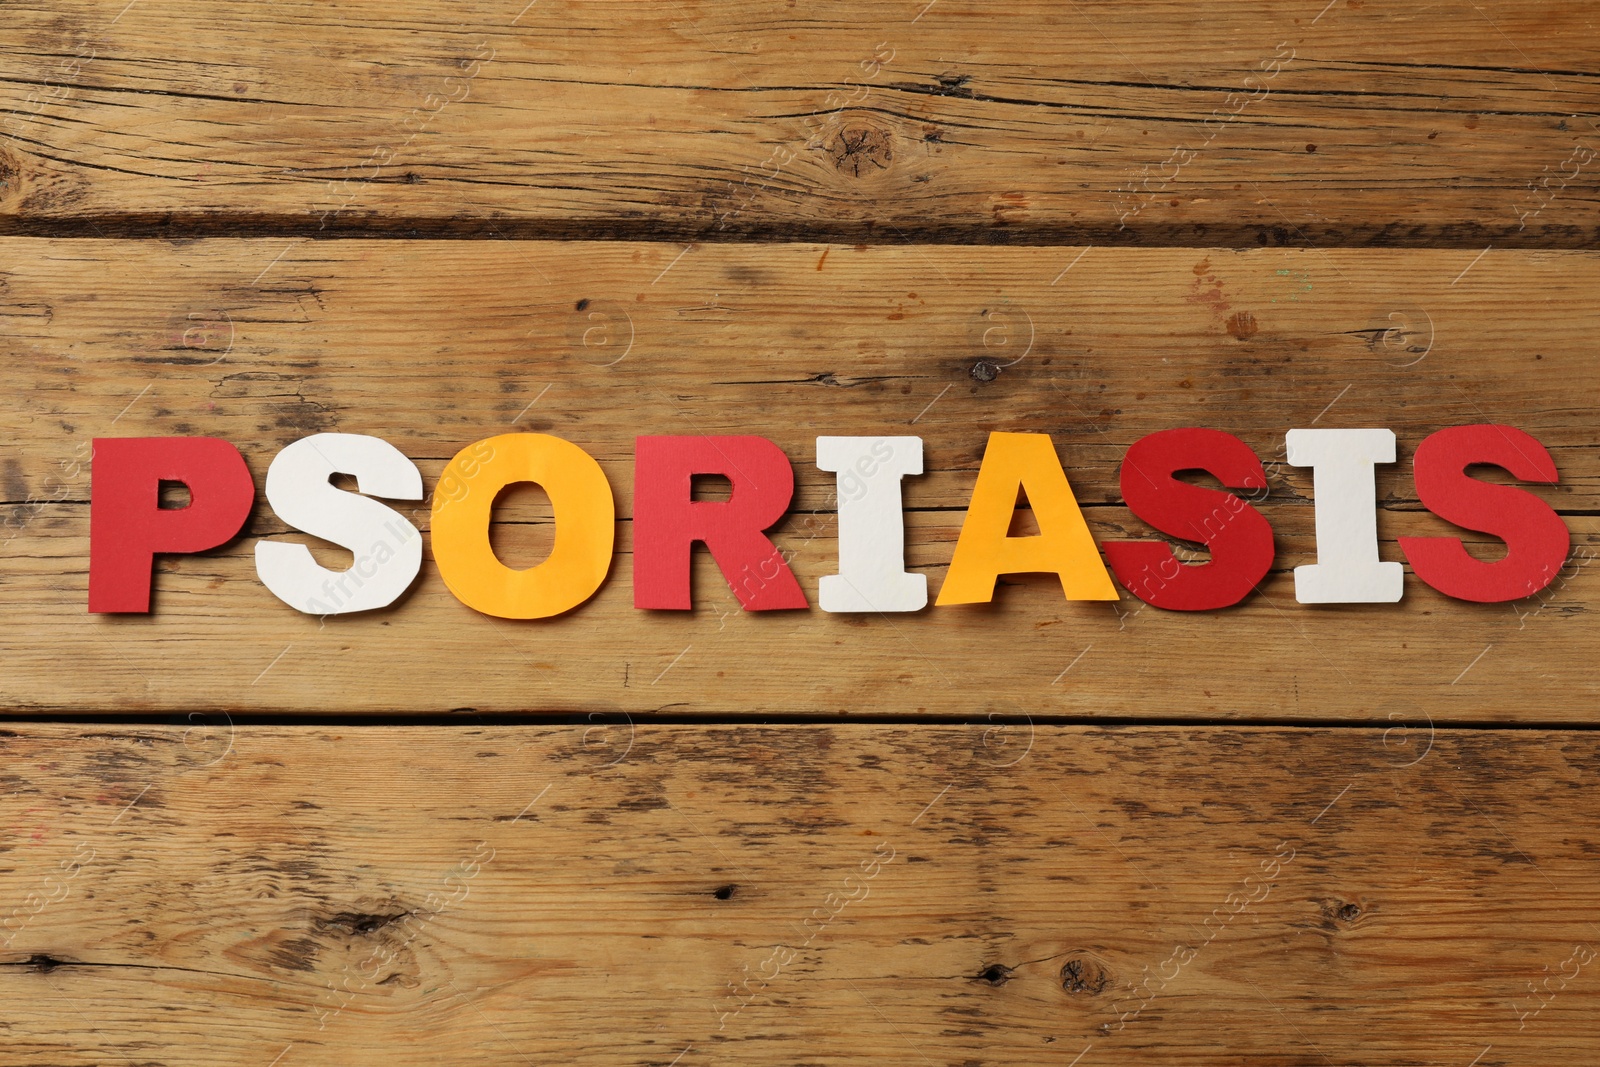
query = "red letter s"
x=1239 y=537
x=1536 y=538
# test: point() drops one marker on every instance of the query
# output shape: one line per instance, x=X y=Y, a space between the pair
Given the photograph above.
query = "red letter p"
x=128 y=525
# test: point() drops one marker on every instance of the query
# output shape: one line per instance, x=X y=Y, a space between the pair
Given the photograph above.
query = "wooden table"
x=1033 y=831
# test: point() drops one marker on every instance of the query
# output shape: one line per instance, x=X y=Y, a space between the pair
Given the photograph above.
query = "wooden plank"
x=1261 y=122
x=608 y=894
x=434 y=345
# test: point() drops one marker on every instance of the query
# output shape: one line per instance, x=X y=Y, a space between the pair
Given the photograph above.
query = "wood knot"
x=361 y=924
x=995 y=974
x=1084 y=976
x=9 y=175
x=1337 y=913
x=859 y=149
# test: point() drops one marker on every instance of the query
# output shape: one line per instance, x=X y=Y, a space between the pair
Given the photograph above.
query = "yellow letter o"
x=585 y=522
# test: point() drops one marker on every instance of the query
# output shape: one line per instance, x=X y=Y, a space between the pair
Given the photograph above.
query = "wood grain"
x=603 y=893
x=1055 y=852
x=1454 y=123
x=434 y=345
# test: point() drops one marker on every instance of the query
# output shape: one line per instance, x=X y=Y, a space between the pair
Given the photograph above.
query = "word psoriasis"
x=129 y=527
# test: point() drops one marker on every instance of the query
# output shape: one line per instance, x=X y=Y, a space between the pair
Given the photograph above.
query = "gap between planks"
x=1358 y=235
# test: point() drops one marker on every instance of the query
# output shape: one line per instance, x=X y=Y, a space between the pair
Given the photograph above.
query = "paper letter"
x=585 y=522
x=872 y=532
x=1239 y=537
x=1063 y=545
x=1347 y=570
x=1537 y=540
x=387 y=548
x=667 y=520
x=128 y=526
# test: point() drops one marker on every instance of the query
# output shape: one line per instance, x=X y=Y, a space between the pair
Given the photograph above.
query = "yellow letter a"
x=1063 y=546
